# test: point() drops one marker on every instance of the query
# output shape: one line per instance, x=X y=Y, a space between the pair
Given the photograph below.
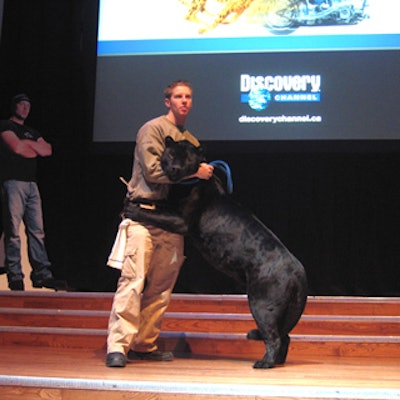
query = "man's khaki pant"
x=153 y=258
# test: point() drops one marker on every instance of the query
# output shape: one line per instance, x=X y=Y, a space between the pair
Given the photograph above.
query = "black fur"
x=235 y=242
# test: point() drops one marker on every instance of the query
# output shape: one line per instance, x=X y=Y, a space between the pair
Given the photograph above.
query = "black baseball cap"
x=20 y=97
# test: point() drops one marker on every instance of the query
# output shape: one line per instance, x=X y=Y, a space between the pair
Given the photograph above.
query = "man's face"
x=22 y=109
x=180 y=102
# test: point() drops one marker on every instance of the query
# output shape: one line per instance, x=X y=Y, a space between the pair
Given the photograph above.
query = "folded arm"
x=26 y=148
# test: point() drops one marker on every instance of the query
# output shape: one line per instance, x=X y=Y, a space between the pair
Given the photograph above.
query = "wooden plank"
x=53 y=337
x=229 y=345
x=204 y=322
x=323 y=305
x=334 y=346
x=54 y=318
x=57 y=300
x=348 y=325
x=26 y=393
x=42 y=373
x=308 y=324
x=326 y=305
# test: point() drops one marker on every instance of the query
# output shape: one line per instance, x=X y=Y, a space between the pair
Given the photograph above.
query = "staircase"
x=212 y=325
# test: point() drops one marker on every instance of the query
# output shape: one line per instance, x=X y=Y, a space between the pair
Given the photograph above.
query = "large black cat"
x=235 y=242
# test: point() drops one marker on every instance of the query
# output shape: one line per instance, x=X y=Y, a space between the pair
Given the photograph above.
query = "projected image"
x=275 y=14
x=262 y=70
x=213 y=26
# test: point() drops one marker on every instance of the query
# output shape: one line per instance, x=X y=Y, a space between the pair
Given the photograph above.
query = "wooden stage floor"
x=66 y=374
x=52 y=347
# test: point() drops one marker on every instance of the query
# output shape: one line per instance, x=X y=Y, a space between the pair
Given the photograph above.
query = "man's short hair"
x=168 y=90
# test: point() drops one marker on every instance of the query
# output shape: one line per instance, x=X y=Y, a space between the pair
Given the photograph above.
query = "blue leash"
x=223 y=166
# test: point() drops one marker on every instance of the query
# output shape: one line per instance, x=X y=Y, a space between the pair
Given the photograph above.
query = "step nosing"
x=205 y=335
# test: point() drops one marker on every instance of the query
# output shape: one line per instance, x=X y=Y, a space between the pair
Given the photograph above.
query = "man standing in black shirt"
x=20 y=146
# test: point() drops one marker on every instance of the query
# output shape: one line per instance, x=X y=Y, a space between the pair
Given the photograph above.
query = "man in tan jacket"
x=153 y=256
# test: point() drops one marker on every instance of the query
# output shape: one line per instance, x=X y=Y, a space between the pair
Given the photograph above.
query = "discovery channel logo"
x=259 y=91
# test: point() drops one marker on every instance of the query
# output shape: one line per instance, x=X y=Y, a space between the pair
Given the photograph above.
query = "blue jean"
x=21 y=202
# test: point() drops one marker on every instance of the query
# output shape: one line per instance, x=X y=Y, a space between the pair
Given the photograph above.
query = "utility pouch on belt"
x=155 y=214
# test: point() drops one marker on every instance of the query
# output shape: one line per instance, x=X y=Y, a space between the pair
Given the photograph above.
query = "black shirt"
x=14 y=166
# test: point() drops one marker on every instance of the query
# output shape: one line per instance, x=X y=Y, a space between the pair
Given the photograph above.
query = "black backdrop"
x=337 y=210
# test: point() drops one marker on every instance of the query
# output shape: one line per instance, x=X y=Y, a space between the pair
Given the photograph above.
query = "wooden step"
x=229 y=345
x=353 y=306
x=82 y=319
x=348 y=325
x=103 y=301
x=57 y=300
x=308 y=324
x=204 y=324
x=322 y=305
x=237 y=346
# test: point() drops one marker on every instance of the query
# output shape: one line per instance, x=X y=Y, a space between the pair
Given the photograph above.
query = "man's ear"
x=167 y=102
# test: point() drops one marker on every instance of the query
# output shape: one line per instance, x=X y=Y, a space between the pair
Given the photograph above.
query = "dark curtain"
x=338 y=212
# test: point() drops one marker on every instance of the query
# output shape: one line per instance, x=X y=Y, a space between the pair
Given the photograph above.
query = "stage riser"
x=204 y=322
x=204 y=325
x=200 y=303
x=207 y=345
